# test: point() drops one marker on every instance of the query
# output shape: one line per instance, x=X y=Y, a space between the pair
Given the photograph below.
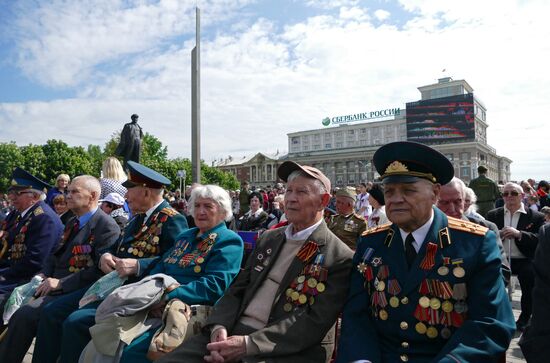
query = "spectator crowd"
x=126 y=268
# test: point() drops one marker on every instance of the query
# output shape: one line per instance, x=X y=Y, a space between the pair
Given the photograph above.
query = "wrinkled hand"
x=126 y=266
x=157 y=309
x=107 y=263
x=509 y=232
x=231 y=349
x=47 y=286
x=219 y=335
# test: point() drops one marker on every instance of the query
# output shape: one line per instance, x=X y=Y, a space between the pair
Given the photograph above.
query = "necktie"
x=410 y=252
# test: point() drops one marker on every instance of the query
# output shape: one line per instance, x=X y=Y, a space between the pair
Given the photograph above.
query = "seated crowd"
x=118 y=269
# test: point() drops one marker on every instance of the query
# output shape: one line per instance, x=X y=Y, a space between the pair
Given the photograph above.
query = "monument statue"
x=130 y=141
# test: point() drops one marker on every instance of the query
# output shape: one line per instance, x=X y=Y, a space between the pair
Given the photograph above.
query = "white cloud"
x=381 y=14
x=261 y=82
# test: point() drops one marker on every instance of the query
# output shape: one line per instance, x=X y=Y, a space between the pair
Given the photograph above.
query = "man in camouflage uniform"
x=486 y=191
x=347 y=225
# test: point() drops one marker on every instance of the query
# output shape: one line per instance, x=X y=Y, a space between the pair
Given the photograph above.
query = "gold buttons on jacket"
x=405 y=345
x=404 y=358
x=404 y=325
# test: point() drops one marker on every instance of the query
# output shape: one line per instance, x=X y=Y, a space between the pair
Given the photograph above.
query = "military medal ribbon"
x=429 y=260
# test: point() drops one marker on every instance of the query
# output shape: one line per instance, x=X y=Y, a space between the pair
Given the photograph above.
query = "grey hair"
x=515 y=185
x=459 y=184
x=469 y=193
x=299 y=173
x=214 y=192
x=90 y=183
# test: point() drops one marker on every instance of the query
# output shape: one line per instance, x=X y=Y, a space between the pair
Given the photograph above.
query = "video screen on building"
x=441 y=120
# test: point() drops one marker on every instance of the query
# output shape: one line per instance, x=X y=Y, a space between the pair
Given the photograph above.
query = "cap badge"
x=396 y=167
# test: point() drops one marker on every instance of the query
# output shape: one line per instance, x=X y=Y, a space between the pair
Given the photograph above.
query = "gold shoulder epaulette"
x=380 y=228
x=359 y=216
x=467 y=226
x=38 y=211
x=169 y=211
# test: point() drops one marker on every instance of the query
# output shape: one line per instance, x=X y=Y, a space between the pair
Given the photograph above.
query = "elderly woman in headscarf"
x=204 y=260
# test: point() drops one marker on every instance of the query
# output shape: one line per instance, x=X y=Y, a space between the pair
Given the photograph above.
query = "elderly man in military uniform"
x=28 y=235
x=426 y=288
x=71 y=267
x=153 y=231
x=346 y=224
x=283 y=305
x=486 y=191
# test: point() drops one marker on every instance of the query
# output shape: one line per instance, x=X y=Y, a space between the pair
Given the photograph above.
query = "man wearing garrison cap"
x=63 y=327
x=346 y=224
x=426 y=287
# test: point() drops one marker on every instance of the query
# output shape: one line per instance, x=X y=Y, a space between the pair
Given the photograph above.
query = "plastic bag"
x=101 y=288
x=20 y=296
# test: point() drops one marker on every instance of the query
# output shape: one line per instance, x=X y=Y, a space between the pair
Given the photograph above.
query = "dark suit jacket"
x=528 y=225
x=297 y=334
x=101 y=232
x=535 y=342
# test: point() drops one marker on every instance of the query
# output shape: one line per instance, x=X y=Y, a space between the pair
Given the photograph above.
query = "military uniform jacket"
x=152 y=238
x=302 y=331
x=30 y=240
x=528 y=225
x=204 y=265
x=486 y=190
x=348 y=228
x=77 y=255
x=451 y=306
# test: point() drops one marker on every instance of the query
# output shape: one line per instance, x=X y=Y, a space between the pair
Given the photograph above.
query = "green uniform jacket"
x=348 y=228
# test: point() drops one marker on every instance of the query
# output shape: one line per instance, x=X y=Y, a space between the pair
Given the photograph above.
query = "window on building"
x=450 y=156
x=328 y=146
x=363 y=142
x=338 y=133
x=351 y=132
x=316 y=147
x=465 y=156
x=305 y=148
x=339 y=145
x=316 y=137
x=481 y=157
x=295 y=140
x=465 y=172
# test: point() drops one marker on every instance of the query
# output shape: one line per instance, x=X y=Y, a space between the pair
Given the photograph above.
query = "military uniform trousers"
x=22 y=329
x=194 y=349
x=50 y=328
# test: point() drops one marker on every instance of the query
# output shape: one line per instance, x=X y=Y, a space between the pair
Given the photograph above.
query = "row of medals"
x=297 y=292
x=204 y=246
x=147 y=246
x=18 y=248
x=447 y=306
x=81 y=258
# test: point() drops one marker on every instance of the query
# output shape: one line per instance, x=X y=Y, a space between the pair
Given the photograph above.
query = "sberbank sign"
x=361 y=116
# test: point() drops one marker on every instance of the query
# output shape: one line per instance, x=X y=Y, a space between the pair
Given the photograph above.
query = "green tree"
x=60 y=158
x=34 y=161
x=96 y=158
x=10 y=157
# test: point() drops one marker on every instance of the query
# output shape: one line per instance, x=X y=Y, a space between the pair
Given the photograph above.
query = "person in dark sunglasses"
x=519 y=228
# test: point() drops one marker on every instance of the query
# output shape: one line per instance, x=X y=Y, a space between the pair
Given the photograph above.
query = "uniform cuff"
x=251 y=347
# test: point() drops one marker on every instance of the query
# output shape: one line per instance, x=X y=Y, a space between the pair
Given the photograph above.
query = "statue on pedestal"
x=130 y=141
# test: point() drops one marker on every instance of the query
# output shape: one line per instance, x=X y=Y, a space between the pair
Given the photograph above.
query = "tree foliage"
x=56 y=157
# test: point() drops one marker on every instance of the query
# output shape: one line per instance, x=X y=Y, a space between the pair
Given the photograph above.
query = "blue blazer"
x=392 y=336
x=30 y=239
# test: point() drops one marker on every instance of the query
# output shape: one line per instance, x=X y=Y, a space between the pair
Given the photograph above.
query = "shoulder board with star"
x=38 y=211
x=358 y=216
x=380 y=228
x=169 y=211
x=467 y=226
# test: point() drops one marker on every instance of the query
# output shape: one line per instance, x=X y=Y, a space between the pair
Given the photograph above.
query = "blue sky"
x=76 y=69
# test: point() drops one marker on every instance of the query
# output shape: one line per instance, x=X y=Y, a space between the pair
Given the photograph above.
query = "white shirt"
x=150 y=211
x=511 y=220
x=26 y=211
x=363 y=201
x=419 y=234
x=303 y=234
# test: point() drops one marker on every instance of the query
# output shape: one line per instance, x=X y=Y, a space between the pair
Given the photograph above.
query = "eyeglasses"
x=513 y=193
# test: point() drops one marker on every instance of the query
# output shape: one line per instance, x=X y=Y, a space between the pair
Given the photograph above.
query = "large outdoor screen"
x=441 y=120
